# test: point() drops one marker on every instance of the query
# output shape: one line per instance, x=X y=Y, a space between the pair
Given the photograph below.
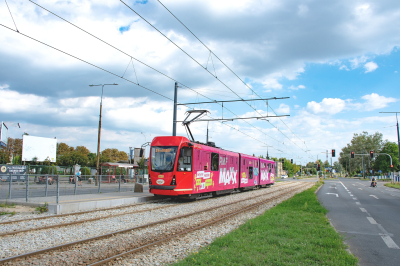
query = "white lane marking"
x=374 y=196
x=360 y=188
x=363 y=210
x=343 y=185
x=334 y=187
x=372 y=220
x=354 y=198
x=334 y=194
x=389 y=242
x=358 y=203
x=351 y=195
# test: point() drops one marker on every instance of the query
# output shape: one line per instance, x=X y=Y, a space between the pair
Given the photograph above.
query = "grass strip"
x=295 y=232
x=395 y=185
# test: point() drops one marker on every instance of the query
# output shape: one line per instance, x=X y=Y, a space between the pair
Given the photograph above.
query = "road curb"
x=316 y=191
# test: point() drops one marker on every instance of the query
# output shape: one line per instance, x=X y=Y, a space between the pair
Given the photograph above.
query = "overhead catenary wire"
x=114 y=74
x=149 y=65
x=212 y=53
x=11 y=16
x=207 y=70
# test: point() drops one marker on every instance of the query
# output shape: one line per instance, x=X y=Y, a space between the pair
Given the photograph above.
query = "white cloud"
x=283 y=109
x=370 y=66
x=4 y=86
x=374 y=101
x=295 y=88
x=357 y=61
x=328 y=105
x=272 y=83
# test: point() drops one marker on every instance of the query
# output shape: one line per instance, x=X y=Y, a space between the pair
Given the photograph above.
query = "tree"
x=83 y=150
x=115 y=155
x=360 y=144
x=382 y=162
x=4 y=156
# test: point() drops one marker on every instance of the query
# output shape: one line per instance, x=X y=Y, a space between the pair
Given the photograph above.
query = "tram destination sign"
x=18 y=172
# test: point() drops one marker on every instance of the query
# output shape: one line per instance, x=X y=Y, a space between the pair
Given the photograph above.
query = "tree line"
x=364 y=143
x=66 y=155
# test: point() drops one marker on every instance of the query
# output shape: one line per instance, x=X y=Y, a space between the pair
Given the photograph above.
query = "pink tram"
x=179 y=167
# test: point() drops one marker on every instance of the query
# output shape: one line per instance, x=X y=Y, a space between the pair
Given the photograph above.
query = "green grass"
x=7 y=205
x=395 y=185
x=295 y=232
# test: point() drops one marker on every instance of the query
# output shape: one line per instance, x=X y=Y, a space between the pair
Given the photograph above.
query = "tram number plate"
x=203 y=185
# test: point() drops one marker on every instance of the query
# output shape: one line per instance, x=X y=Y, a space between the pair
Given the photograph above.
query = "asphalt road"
x=19 y=191
x=368 y=218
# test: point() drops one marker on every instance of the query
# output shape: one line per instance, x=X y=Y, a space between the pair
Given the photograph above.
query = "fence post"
x=98 y=191
x=119 y=185
x=9 y=186
x=76 y=181
x=58 y=189
x=47 y=182
x=27 y=187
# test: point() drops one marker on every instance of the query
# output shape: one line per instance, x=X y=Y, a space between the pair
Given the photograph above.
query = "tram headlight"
x=173 y=182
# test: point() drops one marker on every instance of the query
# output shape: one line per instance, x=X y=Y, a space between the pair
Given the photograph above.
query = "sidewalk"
x=75 y=203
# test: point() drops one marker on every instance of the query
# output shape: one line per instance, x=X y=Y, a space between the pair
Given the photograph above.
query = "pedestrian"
x=79 y=178
x=123 y=178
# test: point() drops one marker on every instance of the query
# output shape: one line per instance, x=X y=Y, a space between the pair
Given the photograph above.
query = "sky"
x=337 y=61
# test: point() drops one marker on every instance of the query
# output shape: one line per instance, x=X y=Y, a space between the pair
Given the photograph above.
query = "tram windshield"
x=163 y=158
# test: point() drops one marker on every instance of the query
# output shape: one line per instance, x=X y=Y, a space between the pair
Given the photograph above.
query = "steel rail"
x=85 y=220
x=133 y=228
x=213 y=221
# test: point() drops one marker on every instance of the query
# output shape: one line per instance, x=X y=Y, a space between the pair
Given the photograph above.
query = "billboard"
x=39 y=148
x=3 y=135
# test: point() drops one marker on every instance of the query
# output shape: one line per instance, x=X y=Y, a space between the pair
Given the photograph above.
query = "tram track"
x=34 y=227
x=177 y=228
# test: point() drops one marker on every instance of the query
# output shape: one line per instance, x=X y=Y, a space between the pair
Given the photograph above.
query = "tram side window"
x=269 y=167
x=214 y=161
x=250 y=172
x=185 y=159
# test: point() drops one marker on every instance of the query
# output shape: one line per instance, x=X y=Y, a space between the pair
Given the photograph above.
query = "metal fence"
x=50 y=185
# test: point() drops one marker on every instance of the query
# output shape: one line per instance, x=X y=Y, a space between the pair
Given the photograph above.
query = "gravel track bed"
x=31 y=241
x=81 y=253
x=179 y=248
x=79 y=217
x=45 y=215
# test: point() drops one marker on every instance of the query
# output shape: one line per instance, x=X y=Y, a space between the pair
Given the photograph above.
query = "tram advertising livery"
x=179 y=167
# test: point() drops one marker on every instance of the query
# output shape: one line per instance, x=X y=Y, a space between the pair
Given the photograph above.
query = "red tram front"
x=178 y=167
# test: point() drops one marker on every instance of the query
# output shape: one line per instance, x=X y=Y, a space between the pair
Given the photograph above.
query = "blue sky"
x=337 y=61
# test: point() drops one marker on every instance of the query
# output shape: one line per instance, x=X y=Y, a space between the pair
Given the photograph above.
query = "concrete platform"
x=86 y=202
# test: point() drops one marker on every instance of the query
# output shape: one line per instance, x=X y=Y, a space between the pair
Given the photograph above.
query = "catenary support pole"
x=398 y=142
x=175 y=105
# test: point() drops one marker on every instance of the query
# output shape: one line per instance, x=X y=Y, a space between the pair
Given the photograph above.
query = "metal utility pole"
x=397 y=125
x=207 y=134
x=175 y=107
x=99 y=132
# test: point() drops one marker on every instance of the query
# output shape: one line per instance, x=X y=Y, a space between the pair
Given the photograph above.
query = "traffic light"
x=318 y=167
x=391 y=167
x=283 y=160
x=371 y=154
x=352 y=154
x=333 y=153
x=141 y=152
x=291 y=161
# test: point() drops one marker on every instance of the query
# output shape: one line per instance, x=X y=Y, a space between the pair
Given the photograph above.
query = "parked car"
x=284 y=176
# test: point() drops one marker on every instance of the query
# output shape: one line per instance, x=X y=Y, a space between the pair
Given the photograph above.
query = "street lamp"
x=99 y=133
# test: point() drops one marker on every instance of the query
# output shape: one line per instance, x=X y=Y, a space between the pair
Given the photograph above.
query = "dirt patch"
x=17 y=209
